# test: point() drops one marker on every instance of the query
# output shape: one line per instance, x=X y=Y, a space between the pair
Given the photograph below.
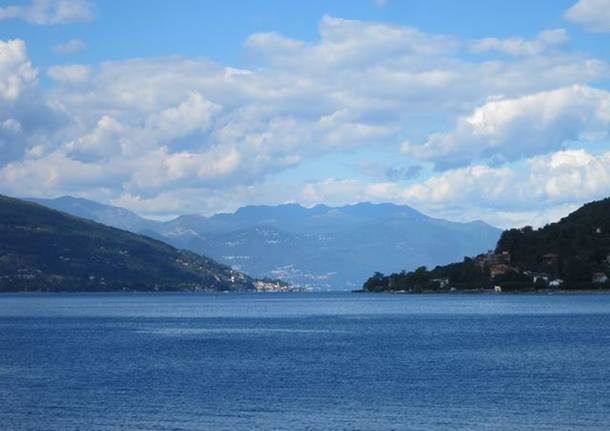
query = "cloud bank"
x=161 y=134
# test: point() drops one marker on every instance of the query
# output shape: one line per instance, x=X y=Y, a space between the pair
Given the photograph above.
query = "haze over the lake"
x=490 y=110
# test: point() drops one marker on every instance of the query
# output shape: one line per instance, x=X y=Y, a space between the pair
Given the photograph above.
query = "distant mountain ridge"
x=322 y=246
x=42 y=249
x=106 y=214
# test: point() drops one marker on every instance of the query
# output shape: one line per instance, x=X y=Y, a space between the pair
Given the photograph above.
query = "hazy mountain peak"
x=266 y=210
x=111 y=215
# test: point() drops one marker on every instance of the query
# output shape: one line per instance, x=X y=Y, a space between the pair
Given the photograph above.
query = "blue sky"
x=488 y=110
x=217 y=30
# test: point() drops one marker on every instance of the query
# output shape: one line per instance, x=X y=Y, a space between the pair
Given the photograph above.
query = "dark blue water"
x=304 y=362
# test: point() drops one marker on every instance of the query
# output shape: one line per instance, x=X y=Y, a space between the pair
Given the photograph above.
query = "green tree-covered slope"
x=573 y=248
x=47 y=250
x=573 y=253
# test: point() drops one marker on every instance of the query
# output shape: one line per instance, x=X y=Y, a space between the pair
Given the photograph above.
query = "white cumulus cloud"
x=510 y=129
x=549 y=183
x=593 y=15
x=48 y=12
x=16 y=71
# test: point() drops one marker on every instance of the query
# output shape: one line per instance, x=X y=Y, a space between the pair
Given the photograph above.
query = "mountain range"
x=321 y=247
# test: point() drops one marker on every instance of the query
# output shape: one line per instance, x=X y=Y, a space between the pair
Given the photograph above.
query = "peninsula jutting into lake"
x=572 y=254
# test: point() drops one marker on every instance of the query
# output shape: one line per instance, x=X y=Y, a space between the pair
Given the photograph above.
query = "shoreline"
x=386 y=292
x=489 y=292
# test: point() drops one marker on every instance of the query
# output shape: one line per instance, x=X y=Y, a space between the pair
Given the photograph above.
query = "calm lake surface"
x=304 y=362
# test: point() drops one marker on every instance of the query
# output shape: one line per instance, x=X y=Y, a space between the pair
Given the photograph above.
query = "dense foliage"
x=580 y=243
x=574 y=251
x=46 y=250
x=462 y=275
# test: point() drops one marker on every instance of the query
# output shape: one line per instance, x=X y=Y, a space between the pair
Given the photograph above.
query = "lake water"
x=304 y=362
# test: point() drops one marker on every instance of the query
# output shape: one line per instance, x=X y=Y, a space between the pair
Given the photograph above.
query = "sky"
x=473 y=110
